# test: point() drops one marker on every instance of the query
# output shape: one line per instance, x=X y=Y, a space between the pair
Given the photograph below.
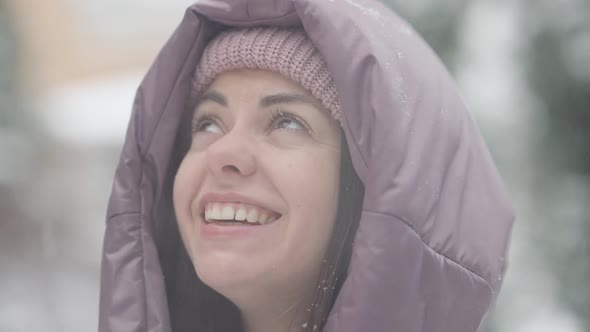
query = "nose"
x=231 y=156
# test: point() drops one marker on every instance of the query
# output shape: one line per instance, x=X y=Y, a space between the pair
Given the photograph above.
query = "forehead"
x=258 y=88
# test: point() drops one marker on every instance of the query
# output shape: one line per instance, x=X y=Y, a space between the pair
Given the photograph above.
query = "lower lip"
x=215 y=230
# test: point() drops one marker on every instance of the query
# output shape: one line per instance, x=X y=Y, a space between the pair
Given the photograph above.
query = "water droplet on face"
x=304 y=325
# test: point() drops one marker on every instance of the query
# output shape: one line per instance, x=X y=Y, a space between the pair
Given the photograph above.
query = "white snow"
x=94 y=112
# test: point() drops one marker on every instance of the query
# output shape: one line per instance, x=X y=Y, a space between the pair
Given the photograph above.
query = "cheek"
x=312 y=195
x=186 y=187
x=315 y=182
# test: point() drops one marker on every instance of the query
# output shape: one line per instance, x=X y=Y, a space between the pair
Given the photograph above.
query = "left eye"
x=287 y=123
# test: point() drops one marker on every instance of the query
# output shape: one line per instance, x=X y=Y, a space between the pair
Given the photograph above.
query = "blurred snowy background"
x=68 y=74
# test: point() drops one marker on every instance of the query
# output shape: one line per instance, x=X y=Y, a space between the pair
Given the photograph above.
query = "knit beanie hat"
x=286 y=51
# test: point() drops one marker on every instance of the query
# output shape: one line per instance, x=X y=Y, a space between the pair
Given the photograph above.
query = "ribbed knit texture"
x=285 y=51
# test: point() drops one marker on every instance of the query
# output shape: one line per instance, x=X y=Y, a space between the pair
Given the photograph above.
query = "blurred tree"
x=558 y=70
x=16 y=142
x=7 y=67
x=437 y=21
x=12 y=120
x=8 y=101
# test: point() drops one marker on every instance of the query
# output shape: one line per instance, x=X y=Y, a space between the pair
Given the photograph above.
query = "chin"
x=228 y=276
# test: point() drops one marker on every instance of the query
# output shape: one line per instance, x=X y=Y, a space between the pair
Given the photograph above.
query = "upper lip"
x=230 y=197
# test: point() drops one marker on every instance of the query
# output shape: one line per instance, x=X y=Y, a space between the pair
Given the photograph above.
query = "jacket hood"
x=429 y=253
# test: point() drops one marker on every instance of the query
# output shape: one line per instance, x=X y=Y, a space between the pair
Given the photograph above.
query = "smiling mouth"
x=238 y=214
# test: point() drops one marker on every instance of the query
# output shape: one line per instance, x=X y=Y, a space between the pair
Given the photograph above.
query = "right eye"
x=205 y=124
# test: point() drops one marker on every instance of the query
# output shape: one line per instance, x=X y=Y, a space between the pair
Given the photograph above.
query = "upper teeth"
x=238 y=211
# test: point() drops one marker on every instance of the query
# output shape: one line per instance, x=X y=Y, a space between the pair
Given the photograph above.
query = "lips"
x=233 y=208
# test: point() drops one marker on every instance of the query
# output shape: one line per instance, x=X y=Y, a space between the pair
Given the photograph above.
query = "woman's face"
x=264 y=152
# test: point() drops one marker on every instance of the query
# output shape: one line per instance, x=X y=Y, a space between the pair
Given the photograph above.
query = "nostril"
x=231 y=168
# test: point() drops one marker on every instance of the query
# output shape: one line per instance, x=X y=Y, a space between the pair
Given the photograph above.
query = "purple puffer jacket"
x=430 y=250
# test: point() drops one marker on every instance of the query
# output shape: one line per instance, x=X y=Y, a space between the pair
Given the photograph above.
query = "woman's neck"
x=269 y=320
x=272 y=309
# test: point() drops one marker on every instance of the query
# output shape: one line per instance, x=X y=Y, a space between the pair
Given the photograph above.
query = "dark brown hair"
x=195 y=307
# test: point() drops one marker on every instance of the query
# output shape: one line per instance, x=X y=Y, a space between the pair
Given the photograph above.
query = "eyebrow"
x=287 y=98
x=212 y=96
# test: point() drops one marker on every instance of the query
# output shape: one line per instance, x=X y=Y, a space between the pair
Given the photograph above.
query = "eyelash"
x=275 y=116
x=280 y=114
